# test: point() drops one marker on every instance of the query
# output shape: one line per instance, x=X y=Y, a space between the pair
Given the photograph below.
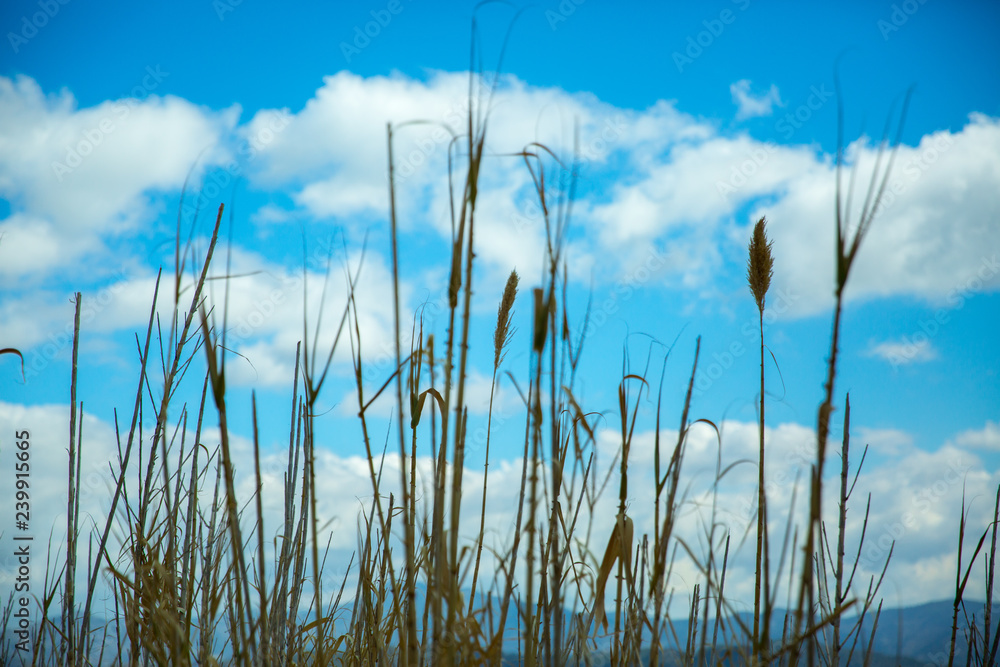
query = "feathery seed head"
x=541 y=325
x=760 y=265
x=503 y=332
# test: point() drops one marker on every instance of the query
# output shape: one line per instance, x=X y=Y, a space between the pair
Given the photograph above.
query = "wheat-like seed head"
x=760 y=265
x=503 y=332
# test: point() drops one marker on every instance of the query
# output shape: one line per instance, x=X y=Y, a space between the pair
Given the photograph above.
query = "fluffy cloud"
x=986 y=438
x=655 y=178
x=750 y=105
x=915 y=495
x=929 y=234
x=903 y=352
x=77 y=178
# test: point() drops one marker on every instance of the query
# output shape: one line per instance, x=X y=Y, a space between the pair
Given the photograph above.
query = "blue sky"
x=695 y=120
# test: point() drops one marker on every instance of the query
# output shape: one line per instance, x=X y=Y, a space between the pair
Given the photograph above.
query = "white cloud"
x=125 y=148
x=928 y=238
x=933 y=232
x=677 y=200
x=264 y=313
x=343 y=196
x=903 y=352
x=655 y=181
x=916 y=496
x=266 y=305
x=269 y=214
x=88 y=175
x=890 y=442
x=47 y=428
x=30 y=246
x=333 y=154
x=750 y=105
x=986 y=438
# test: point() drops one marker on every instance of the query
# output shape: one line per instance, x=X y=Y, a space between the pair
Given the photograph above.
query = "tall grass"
x=187 y=565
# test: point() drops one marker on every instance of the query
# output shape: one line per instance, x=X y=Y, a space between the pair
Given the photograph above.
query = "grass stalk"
x=408 y=639
x=73 y=653
x=501 y=340
x=846 y=251
x=759 y=274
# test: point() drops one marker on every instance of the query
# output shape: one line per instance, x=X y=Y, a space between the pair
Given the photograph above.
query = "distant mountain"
x=924 y=631
x=918 y=635
x=906 y=636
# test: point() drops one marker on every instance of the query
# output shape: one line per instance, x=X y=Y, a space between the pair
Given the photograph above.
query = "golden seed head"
x=541 y=325
x=760 y=265
x=503 y=332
